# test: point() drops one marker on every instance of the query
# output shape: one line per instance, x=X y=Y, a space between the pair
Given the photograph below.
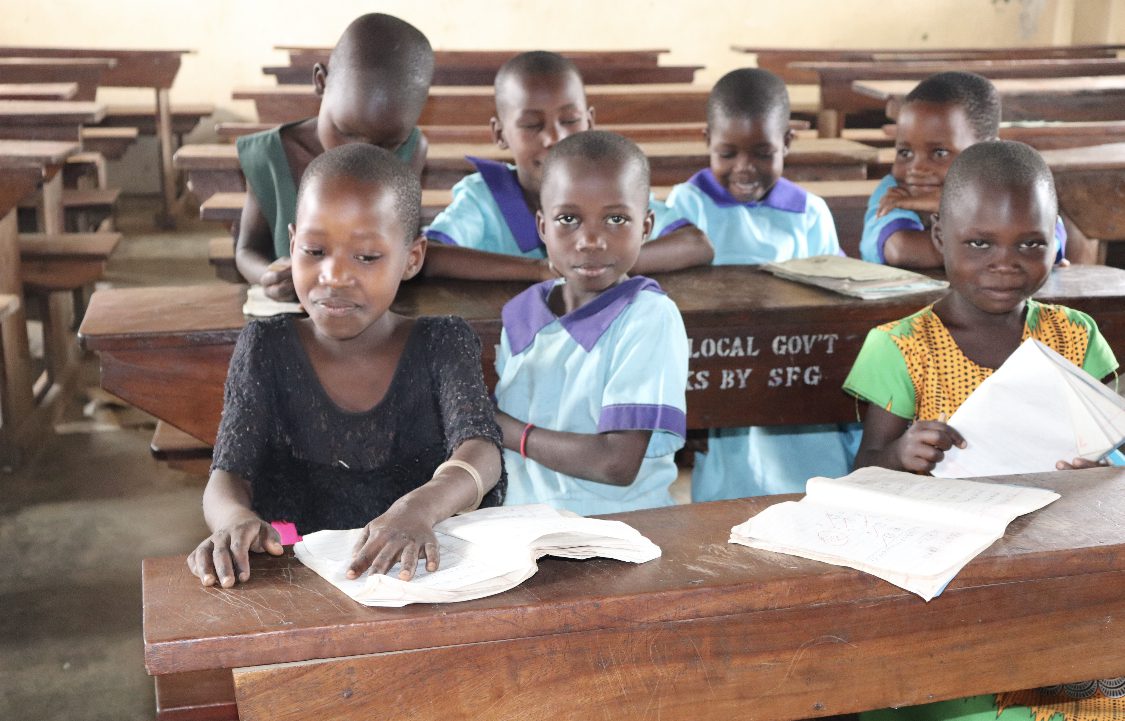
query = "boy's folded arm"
x=684 y=247
x=911 y=249
x=447 y=261
x=613 y=458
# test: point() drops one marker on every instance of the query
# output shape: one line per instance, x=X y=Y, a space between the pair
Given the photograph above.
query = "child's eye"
x=727 y=154
x=616 y=219
x=940 y=153
x=312 y=250
x=904 y=153
x=531 y=127
x=1034 y=244
x=977 y=243
x=566 y=219
x=368 y=257
x=571 y=121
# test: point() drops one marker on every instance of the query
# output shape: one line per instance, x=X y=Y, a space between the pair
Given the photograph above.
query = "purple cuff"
x=440 y=237
x=674 y=225
x=890 y=229
x=643 y=417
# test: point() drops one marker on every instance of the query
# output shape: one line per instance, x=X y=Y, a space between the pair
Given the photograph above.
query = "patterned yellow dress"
x=914 y=369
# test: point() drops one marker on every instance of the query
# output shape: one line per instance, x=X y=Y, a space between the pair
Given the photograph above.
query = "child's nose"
x=588 y=240
x=552 y=134
x=333 y=271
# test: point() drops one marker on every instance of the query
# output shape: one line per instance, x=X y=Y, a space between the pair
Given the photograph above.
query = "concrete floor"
x=77 y=518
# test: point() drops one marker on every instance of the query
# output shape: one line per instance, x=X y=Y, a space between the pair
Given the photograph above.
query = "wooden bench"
x=709 y=631
x=752 y=335
x=110 y=142
x=837 y=99
x=38 y=91
x=85 y=73
x=451 y=105
x=47 y=119
x=85 y=170
x=179 y=450
x=86 y=209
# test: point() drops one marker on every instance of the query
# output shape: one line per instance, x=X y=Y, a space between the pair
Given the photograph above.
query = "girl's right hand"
x=924 y=445
x=277 y=281
x=224 y=556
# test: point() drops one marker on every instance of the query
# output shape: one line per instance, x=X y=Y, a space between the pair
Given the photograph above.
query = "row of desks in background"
x=709 y=631
x=764 y=351
x=152 y=69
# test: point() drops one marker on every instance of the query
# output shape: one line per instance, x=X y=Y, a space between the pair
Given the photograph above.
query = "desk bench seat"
x=220 y=254
x=85 y=169
x=110 y=142
x=185 y=117
x=180 y=450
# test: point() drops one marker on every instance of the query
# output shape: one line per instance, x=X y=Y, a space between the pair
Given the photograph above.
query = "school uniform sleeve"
x=877 y=230
x=821 y=232
x=455 y=372
x=1100 y=361
x=665 y=220
x=249 y=411
x=647 y=380
x=464 y=221
x=880 y=377
x=686 y=204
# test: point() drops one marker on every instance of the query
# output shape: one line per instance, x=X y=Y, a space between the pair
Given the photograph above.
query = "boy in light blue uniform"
x=941 y=117
x=753 y=215
x=592 y=365
x=539 y=101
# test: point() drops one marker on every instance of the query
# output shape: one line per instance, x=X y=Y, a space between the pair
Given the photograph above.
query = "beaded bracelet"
x=468 y=468
x=523 y=439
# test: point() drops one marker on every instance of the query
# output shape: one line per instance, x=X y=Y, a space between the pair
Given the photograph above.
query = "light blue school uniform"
x=877 y=230
x=617 y=363
x=788 y=223
x=488 y=212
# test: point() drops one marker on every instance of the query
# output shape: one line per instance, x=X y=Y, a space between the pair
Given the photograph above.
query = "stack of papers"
x=1038 y=408
x=915 y=531
x=853 y=277
x=259 y=305
x=482 y=553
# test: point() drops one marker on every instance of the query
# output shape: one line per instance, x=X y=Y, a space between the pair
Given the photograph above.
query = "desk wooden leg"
x=52 y=217
x=16 y=400
x=196 y=696
x=828 y=124
x=167 y=219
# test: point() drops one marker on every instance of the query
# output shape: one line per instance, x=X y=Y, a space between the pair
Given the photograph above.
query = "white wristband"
x=473 y=473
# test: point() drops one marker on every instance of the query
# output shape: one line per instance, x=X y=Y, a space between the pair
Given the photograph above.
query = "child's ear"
x=541 y=225
x=320 y=78
x=292 y=241
x=787 y=140
x=416 y=256
x=935 y=232
x=590 y=116
x=497 y=133
x=707 y=135
x=650 y=222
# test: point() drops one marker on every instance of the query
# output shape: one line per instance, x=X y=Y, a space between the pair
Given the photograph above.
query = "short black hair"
x=1000 y=164
x=535 y=63
x=392 y=51
x=598 y=146
x=372 y=165
x=748 y=93
x=974 y=93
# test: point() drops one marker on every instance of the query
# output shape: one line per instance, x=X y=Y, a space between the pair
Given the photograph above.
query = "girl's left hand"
x=400 y=534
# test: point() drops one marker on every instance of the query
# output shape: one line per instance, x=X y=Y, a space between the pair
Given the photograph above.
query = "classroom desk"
x=154 y=69
x=214 y=168
x=837 y=99
x=38 y=91
x=1090 y=182
x=1064 y=99
x=710 y=630
x=308 y=55
x=50 y=156
x=484 y=75
x=764 y=351
x=460 y=105
x=87 y=73
x=47 y=119
x=780 y=60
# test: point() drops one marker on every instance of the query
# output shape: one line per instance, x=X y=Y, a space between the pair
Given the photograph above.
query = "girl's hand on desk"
x=277 y=281
x=401 y=534
x=224 y=556
x=902 y=198
x=1078 y=464
x=924 y=444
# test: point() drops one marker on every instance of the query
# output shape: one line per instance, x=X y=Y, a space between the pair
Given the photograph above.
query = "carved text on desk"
x=788 y=346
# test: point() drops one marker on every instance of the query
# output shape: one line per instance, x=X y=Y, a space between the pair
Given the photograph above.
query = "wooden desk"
x=49 y=156
x=1090 y=183
x=453 y=105
x=710 y=630
x=214 y=168
x=47 y=119
x=87 y=73
x=38 y=91
x=155 y=69
x=780 y=60
x=837 y=98
x=307 y=55
x=1064 y=99
x=764 y=351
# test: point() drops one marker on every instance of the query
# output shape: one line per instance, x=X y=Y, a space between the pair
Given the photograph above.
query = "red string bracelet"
x=523 y=439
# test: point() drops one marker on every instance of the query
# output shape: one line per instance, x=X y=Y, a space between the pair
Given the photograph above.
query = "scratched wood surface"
x=709 y=626
x=1090 y=182
x=765 y=351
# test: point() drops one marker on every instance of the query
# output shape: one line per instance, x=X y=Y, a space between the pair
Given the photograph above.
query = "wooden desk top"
x=37 y=91
x=16 y=183
x=35 y=152
x=1007 y=87
x=135 y=68
x=1021 y=51
x=50 y=112
x=1094 y=157
x=288 y=613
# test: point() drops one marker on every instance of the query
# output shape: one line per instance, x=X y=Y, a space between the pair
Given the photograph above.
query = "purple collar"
x=784 y=195
x=506 y=191
x=527 y=314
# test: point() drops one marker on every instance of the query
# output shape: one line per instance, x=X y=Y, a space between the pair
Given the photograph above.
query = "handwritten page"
x=1038 y=408
x=913 y=531
x=481 y=553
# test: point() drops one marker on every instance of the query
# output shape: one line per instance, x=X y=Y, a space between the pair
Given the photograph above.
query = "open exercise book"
x=482 y=553
x=915 y=531
x=1038 y=408
x=260 y=305
x=854 y=277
